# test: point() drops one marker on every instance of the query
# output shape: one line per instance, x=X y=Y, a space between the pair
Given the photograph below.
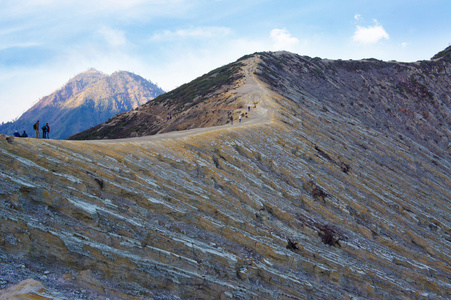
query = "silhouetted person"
x=24 y=134
x=16 y=134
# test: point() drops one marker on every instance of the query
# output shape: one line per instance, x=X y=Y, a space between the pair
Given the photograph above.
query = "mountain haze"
x=335 y=185
x=86 y=100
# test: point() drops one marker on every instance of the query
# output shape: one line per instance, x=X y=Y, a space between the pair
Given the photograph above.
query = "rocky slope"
x=401 y=99
x=206 y=101
x=305 y=199
x=86 y=100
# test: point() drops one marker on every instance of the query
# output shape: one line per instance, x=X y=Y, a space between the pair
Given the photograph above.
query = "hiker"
x=24 y=134
x=16 y=133
x=249 y=108
x=231 y=119
x=44 y=130
x=47 y=129
x=36 y=127
x=239 y=118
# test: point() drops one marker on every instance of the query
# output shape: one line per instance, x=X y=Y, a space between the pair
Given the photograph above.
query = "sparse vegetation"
x=192 y=93
x=329 y=235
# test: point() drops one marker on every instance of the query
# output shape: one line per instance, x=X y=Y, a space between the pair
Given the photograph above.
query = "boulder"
x=26 y=289
x=10 y=138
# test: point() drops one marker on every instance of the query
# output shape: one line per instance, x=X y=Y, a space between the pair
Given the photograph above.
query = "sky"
x=44 y=43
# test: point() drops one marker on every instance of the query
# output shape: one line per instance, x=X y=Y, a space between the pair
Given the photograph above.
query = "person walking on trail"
x=36 y=128
x=231 y=119
x=239 y=118
x=47 y=130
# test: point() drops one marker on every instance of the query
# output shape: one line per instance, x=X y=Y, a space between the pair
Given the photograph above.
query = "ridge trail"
x=252 y=91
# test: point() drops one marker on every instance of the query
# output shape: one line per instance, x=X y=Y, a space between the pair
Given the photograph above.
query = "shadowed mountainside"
x=400 y=99
x=86 y=100
x=309 y=197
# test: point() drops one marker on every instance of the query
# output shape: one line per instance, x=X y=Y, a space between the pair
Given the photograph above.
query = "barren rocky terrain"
x=309 y=197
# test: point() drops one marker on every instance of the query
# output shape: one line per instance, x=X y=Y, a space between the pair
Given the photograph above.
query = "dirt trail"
x=252 y=91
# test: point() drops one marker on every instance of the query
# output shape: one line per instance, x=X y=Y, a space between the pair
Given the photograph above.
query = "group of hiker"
x=241 y=115
x=17 y=134
x=45 y=130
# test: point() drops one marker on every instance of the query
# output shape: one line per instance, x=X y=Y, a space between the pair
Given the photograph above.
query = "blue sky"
x=44 y=43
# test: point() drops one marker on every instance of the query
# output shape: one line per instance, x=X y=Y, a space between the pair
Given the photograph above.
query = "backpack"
x=34 y=126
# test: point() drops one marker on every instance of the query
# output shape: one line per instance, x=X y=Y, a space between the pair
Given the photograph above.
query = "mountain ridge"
x=407 y=100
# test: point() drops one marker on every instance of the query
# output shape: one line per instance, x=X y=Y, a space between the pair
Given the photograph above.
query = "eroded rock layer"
x=308 y=203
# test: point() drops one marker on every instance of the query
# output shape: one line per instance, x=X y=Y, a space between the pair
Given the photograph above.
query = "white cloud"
x=20 y=45
x=196 y=33
x=404 y=44
x=283 y=40
x=357 y=17
x=370 y=34
x=114 y=38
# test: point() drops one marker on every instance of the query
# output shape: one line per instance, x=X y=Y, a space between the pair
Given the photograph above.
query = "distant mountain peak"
x=86 y=100
x=92 y=70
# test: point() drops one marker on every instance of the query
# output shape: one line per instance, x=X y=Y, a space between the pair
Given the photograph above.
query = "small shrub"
x=292 y=245
x=329 y=236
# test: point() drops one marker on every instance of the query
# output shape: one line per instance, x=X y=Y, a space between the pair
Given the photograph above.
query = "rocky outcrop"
x=27 y=289
x=313 y=203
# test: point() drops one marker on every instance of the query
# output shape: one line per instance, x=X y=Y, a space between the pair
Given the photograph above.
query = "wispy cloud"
x=49 y=10
x=20 y=45
x=283 y=40
x=113 y=37
x=370 y=34
x=192 y=33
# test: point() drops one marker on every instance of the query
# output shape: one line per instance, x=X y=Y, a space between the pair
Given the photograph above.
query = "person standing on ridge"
x=36 y=128
x=44 y=131
x=47 y=129
x=231 y=120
